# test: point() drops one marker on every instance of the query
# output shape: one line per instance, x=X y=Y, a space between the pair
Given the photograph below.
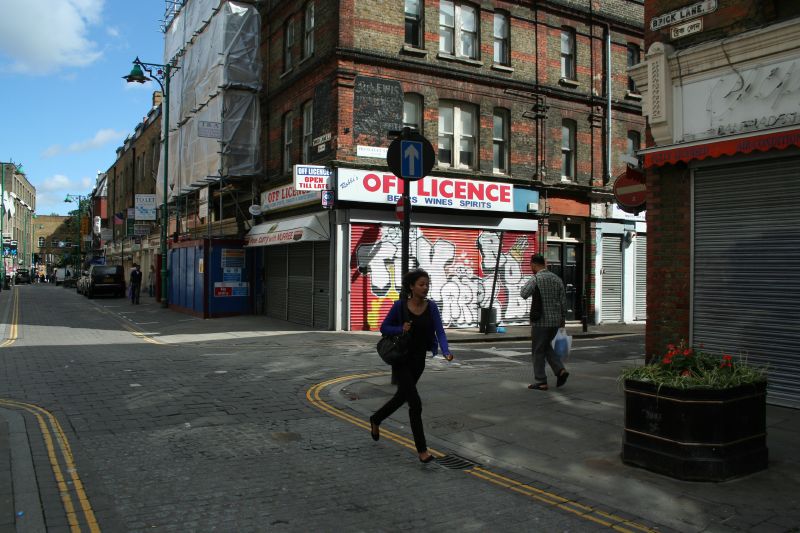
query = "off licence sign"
x=311 y=177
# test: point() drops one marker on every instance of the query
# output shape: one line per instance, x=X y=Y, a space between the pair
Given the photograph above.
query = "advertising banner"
x=286 y=196
x=450 y=193
x=311 y=177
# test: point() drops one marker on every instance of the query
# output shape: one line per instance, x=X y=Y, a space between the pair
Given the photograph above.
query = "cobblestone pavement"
x=202 y=431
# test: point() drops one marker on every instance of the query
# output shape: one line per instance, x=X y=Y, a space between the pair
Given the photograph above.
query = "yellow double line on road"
x=583 y=511
x=54 y=437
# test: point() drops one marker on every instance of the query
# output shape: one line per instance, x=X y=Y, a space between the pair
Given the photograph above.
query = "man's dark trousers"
x=542 y=350
x=135 y=290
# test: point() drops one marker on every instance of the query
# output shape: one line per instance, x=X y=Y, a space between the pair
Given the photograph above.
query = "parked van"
x=60 y=274
x=105 y=279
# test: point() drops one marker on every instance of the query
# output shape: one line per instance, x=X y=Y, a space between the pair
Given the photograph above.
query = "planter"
x=695 y=434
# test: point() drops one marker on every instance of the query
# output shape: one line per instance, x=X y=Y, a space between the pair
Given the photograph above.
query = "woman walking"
x=423 y=323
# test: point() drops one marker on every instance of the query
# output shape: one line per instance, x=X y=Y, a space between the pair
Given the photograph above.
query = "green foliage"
x=684 y=367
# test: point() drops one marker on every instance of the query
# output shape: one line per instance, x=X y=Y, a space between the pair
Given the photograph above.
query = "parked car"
x=105 y=279
x=23 y=276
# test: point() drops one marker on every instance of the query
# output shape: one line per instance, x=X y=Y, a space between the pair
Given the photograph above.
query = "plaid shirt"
x=554 y=298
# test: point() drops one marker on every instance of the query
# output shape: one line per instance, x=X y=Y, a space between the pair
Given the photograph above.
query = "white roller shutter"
x=640 y=294
x=611 y=309
x=746 y=291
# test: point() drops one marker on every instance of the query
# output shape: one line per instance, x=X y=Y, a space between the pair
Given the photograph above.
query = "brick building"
x=721 y=84
x=53 y=240
x=135 y=171
x=518 y=97
x=19 y=206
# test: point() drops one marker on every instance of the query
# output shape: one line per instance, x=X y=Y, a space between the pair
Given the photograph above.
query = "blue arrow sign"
x=411 y=159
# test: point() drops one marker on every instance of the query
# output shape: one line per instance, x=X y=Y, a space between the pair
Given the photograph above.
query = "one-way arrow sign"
x=411 y=167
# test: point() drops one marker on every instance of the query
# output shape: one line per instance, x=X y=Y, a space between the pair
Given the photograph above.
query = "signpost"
x=410 y=157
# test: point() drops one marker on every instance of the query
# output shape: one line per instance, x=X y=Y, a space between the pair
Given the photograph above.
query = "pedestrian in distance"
x=548 y=313
x=426 y=332
x=136 y=283
x=151 y=282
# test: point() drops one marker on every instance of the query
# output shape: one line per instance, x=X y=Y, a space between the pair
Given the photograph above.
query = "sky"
x=64 y=107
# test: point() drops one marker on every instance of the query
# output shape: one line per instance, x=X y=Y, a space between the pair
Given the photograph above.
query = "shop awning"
x=289 y=230
x=735 y=144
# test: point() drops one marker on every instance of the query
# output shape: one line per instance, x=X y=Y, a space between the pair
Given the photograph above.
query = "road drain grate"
x=455 y=462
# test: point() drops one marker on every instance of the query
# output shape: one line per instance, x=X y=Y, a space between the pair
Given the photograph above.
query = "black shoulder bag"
x=393 y=348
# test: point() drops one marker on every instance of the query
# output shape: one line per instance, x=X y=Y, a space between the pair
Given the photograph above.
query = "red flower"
x=686 y=372
x=687 y=352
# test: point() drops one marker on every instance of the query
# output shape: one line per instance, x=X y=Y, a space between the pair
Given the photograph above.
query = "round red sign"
x=398 y=211
x=630 y=188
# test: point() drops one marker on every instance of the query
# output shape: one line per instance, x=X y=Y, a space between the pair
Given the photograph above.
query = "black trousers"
x=406 y=376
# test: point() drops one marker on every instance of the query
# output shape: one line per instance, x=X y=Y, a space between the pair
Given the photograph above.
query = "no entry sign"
x=630 y=189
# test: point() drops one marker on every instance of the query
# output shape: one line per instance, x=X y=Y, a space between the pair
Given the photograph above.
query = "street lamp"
x=79 y=198
x=161 y=75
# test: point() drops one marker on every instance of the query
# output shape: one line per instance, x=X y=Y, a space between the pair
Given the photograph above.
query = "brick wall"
x=730 y=18
x=668 y=257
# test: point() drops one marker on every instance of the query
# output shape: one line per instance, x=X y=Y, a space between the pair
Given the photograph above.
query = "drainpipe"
x=607 y=177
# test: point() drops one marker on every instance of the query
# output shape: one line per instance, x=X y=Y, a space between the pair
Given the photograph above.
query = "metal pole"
x=78 y=261
x=494 y=281
x=164 y=215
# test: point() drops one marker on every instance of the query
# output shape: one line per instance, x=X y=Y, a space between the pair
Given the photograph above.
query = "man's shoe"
x=562 y=378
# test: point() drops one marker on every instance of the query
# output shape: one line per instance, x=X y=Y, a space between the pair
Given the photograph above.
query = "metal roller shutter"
x=321 y=284
x=611 y=309
x=300 y=308
x=276 y=281
x=460 y=262
x=747 y=268
x=640 y=309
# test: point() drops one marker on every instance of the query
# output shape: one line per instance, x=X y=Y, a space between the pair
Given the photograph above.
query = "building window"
x=41 y=242
x=568 y=54
x=287 y=142
x=412 y=111
x=500 y=142
x=54 y=243
x=457 y=133
x=501 y=39
x=308 y=128
x=308 y=30
x=634 y=56
x=568 y=149
x=458 y=29
x=634 y=143
x=288 y=45
x=414 y=23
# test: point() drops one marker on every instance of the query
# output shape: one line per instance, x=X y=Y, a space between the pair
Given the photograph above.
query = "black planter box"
x=695 y=434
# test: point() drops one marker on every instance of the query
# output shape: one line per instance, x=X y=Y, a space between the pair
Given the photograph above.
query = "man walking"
x=548 y=313
x=136 y=284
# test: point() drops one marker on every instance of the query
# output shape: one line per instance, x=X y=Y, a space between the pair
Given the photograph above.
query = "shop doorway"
x=566 y=260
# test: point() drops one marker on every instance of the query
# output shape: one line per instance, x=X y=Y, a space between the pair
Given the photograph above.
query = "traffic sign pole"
x=410 y=157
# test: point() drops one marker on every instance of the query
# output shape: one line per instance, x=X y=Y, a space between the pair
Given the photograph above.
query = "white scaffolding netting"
x=213 y=104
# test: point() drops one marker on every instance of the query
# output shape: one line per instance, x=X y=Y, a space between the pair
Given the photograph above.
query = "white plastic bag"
x=562 y=344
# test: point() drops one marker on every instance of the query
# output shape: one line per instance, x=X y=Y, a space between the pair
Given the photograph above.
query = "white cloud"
x=57 y=182
x=43 y=36
x=112 y=32
x=100 y=139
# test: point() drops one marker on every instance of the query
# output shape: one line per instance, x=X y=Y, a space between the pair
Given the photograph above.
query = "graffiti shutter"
x=460 y=262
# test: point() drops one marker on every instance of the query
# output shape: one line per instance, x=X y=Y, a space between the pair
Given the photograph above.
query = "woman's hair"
x=411 y=278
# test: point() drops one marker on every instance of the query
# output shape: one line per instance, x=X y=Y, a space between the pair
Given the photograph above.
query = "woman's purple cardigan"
x=393 y=325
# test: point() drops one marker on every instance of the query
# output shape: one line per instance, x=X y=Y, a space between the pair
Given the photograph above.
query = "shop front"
x=474 y=238
x=292 y=258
